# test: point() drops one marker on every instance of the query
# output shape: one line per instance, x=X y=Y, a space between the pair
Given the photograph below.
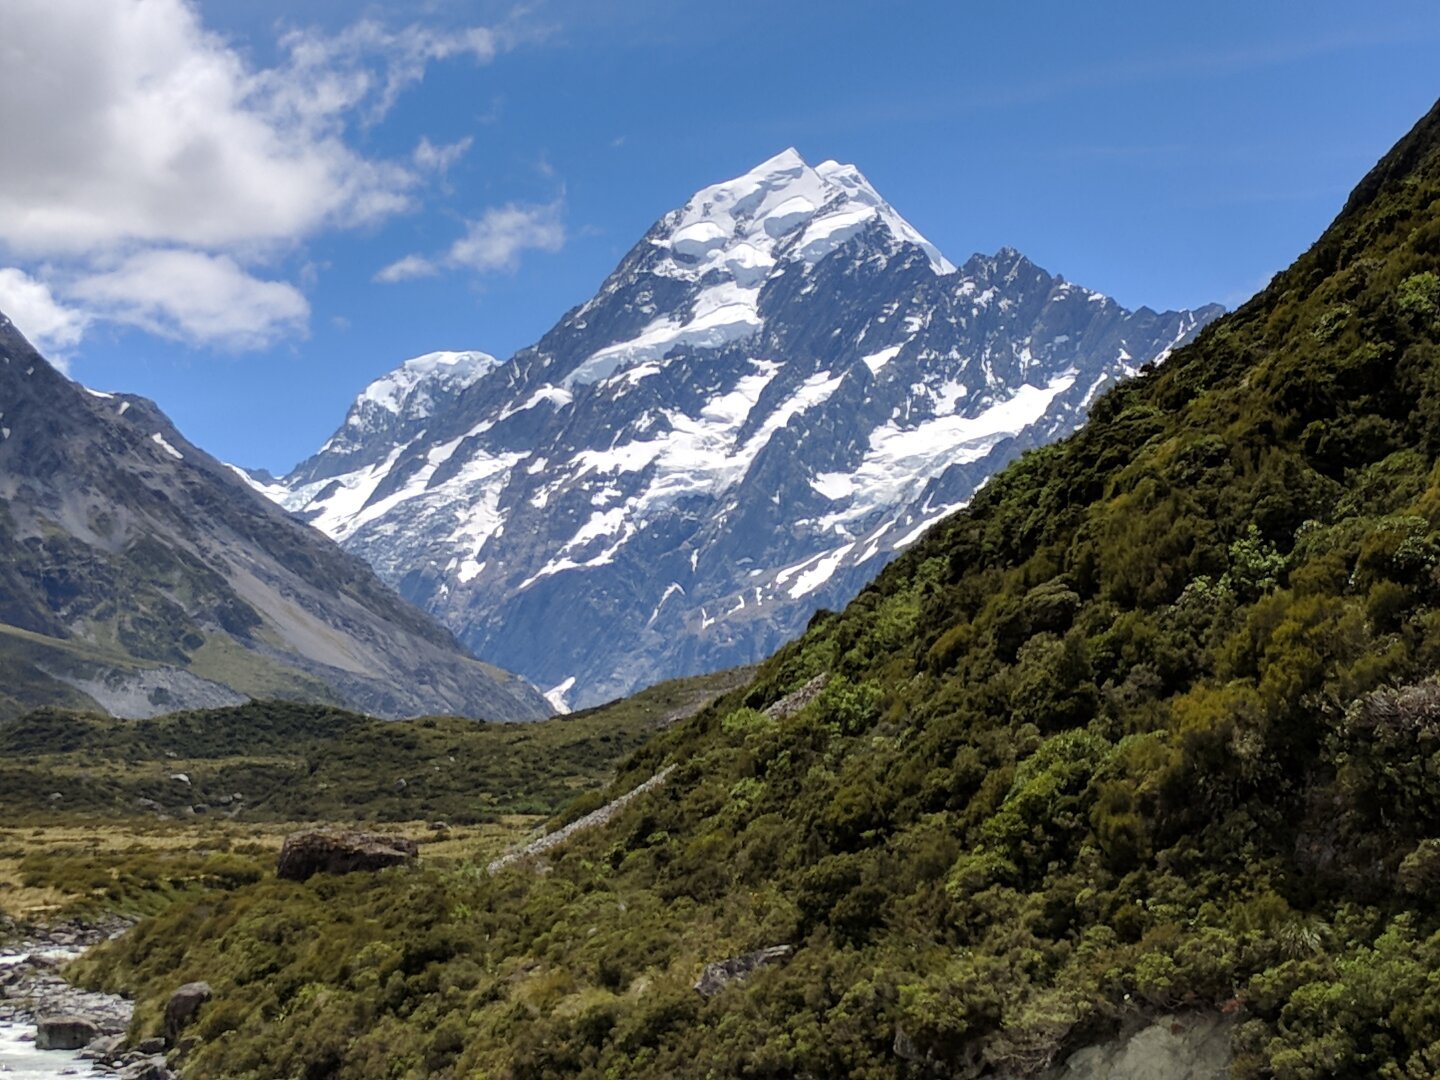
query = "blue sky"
x=220 y=243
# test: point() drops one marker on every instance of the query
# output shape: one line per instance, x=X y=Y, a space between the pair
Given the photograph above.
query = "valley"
x=1136 y=744
x=754 y=638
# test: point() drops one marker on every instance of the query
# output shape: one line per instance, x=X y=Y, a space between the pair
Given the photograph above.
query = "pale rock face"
x=778 y=389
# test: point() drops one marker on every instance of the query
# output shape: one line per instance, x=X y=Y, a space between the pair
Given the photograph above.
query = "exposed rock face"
x=1195 y=1046
x=182 y=1008
x=722 y=973
x=65 y=1033
x=329 y=851
x=793 y=702
x=139 y=575
x=592 y=820
x=779 y=387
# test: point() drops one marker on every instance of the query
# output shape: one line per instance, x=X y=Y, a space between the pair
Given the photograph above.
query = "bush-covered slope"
x=1146 y=727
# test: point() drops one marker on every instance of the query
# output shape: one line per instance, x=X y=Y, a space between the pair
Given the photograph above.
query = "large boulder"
x=182 y=1008
x=65 y=1033
x=335 y=851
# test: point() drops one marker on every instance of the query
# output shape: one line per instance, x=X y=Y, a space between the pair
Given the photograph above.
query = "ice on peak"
x=774 y=199
x=452 y=370
x=731 y=237
x=851 y=179
x=787 y=160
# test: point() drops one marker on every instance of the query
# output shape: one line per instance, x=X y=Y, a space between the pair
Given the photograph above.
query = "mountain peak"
x=786 y=160
x=395 y=391
x=781 y=209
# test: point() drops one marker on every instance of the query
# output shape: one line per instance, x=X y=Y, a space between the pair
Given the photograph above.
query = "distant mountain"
x=139 y=575
x=779 y=387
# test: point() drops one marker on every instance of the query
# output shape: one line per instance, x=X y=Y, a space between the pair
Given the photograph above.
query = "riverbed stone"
x=106 y=1048
x=150 y=1069
x=65 y=1032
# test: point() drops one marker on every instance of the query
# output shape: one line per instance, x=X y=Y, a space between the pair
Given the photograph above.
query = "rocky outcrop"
x=182 y=1008
x=332 y=851
x=796 y=700
x=1193 y=1046
x=715 y=977
x=592 y=820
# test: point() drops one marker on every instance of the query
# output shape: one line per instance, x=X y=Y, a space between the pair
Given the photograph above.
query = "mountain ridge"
x=145 y=575
x=777 y=388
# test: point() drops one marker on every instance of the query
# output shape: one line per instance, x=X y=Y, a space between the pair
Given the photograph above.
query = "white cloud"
x=434 y=158
x=47 y=323
x=141 y=126
x=198 y=298
x=152 y=144
x=495 y=241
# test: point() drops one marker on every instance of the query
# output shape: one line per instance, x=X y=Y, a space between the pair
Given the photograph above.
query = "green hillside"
x=1146 y=728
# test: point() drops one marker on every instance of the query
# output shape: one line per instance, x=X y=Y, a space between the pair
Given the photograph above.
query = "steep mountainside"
x=1151 y=726
x=779 y=388
x=141 y=575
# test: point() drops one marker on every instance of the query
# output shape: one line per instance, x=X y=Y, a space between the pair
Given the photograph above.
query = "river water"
x=18 y=1056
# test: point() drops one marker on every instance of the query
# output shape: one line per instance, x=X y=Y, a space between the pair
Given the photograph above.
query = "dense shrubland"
x=1148 y=727
x=292 y=761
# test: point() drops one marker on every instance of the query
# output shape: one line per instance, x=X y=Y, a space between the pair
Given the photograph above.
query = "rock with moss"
x=341 y=851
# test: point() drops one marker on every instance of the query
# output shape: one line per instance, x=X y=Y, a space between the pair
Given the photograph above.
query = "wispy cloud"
x=495 y=241
x=440 y=158
x=407 y=269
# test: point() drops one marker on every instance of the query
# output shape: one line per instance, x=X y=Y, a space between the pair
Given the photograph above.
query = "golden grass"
x=123 y=845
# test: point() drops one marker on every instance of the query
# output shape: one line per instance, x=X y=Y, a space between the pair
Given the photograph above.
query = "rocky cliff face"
x=140 y=575
x=777 y=389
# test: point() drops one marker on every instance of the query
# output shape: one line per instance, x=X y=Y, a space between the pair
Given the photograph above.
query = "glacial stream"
x=18 y=1056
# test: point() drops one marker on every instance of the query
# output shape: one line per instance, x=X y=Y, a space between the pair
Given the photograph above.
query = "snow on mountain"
x=731 y=238
x=409 y=390
x=779 y=387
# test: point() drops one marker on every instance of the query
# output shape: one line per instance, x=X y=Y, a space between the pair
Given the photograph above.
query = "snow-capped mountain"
x=779 y=387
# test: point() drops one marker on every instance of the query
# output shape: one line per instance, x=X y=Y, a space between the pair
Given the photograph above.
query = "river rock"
x=106 y=1048
x=722 y=973
x=65 y=1033
x=182 y=1008
x=335 y=851
x=153 y=1069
